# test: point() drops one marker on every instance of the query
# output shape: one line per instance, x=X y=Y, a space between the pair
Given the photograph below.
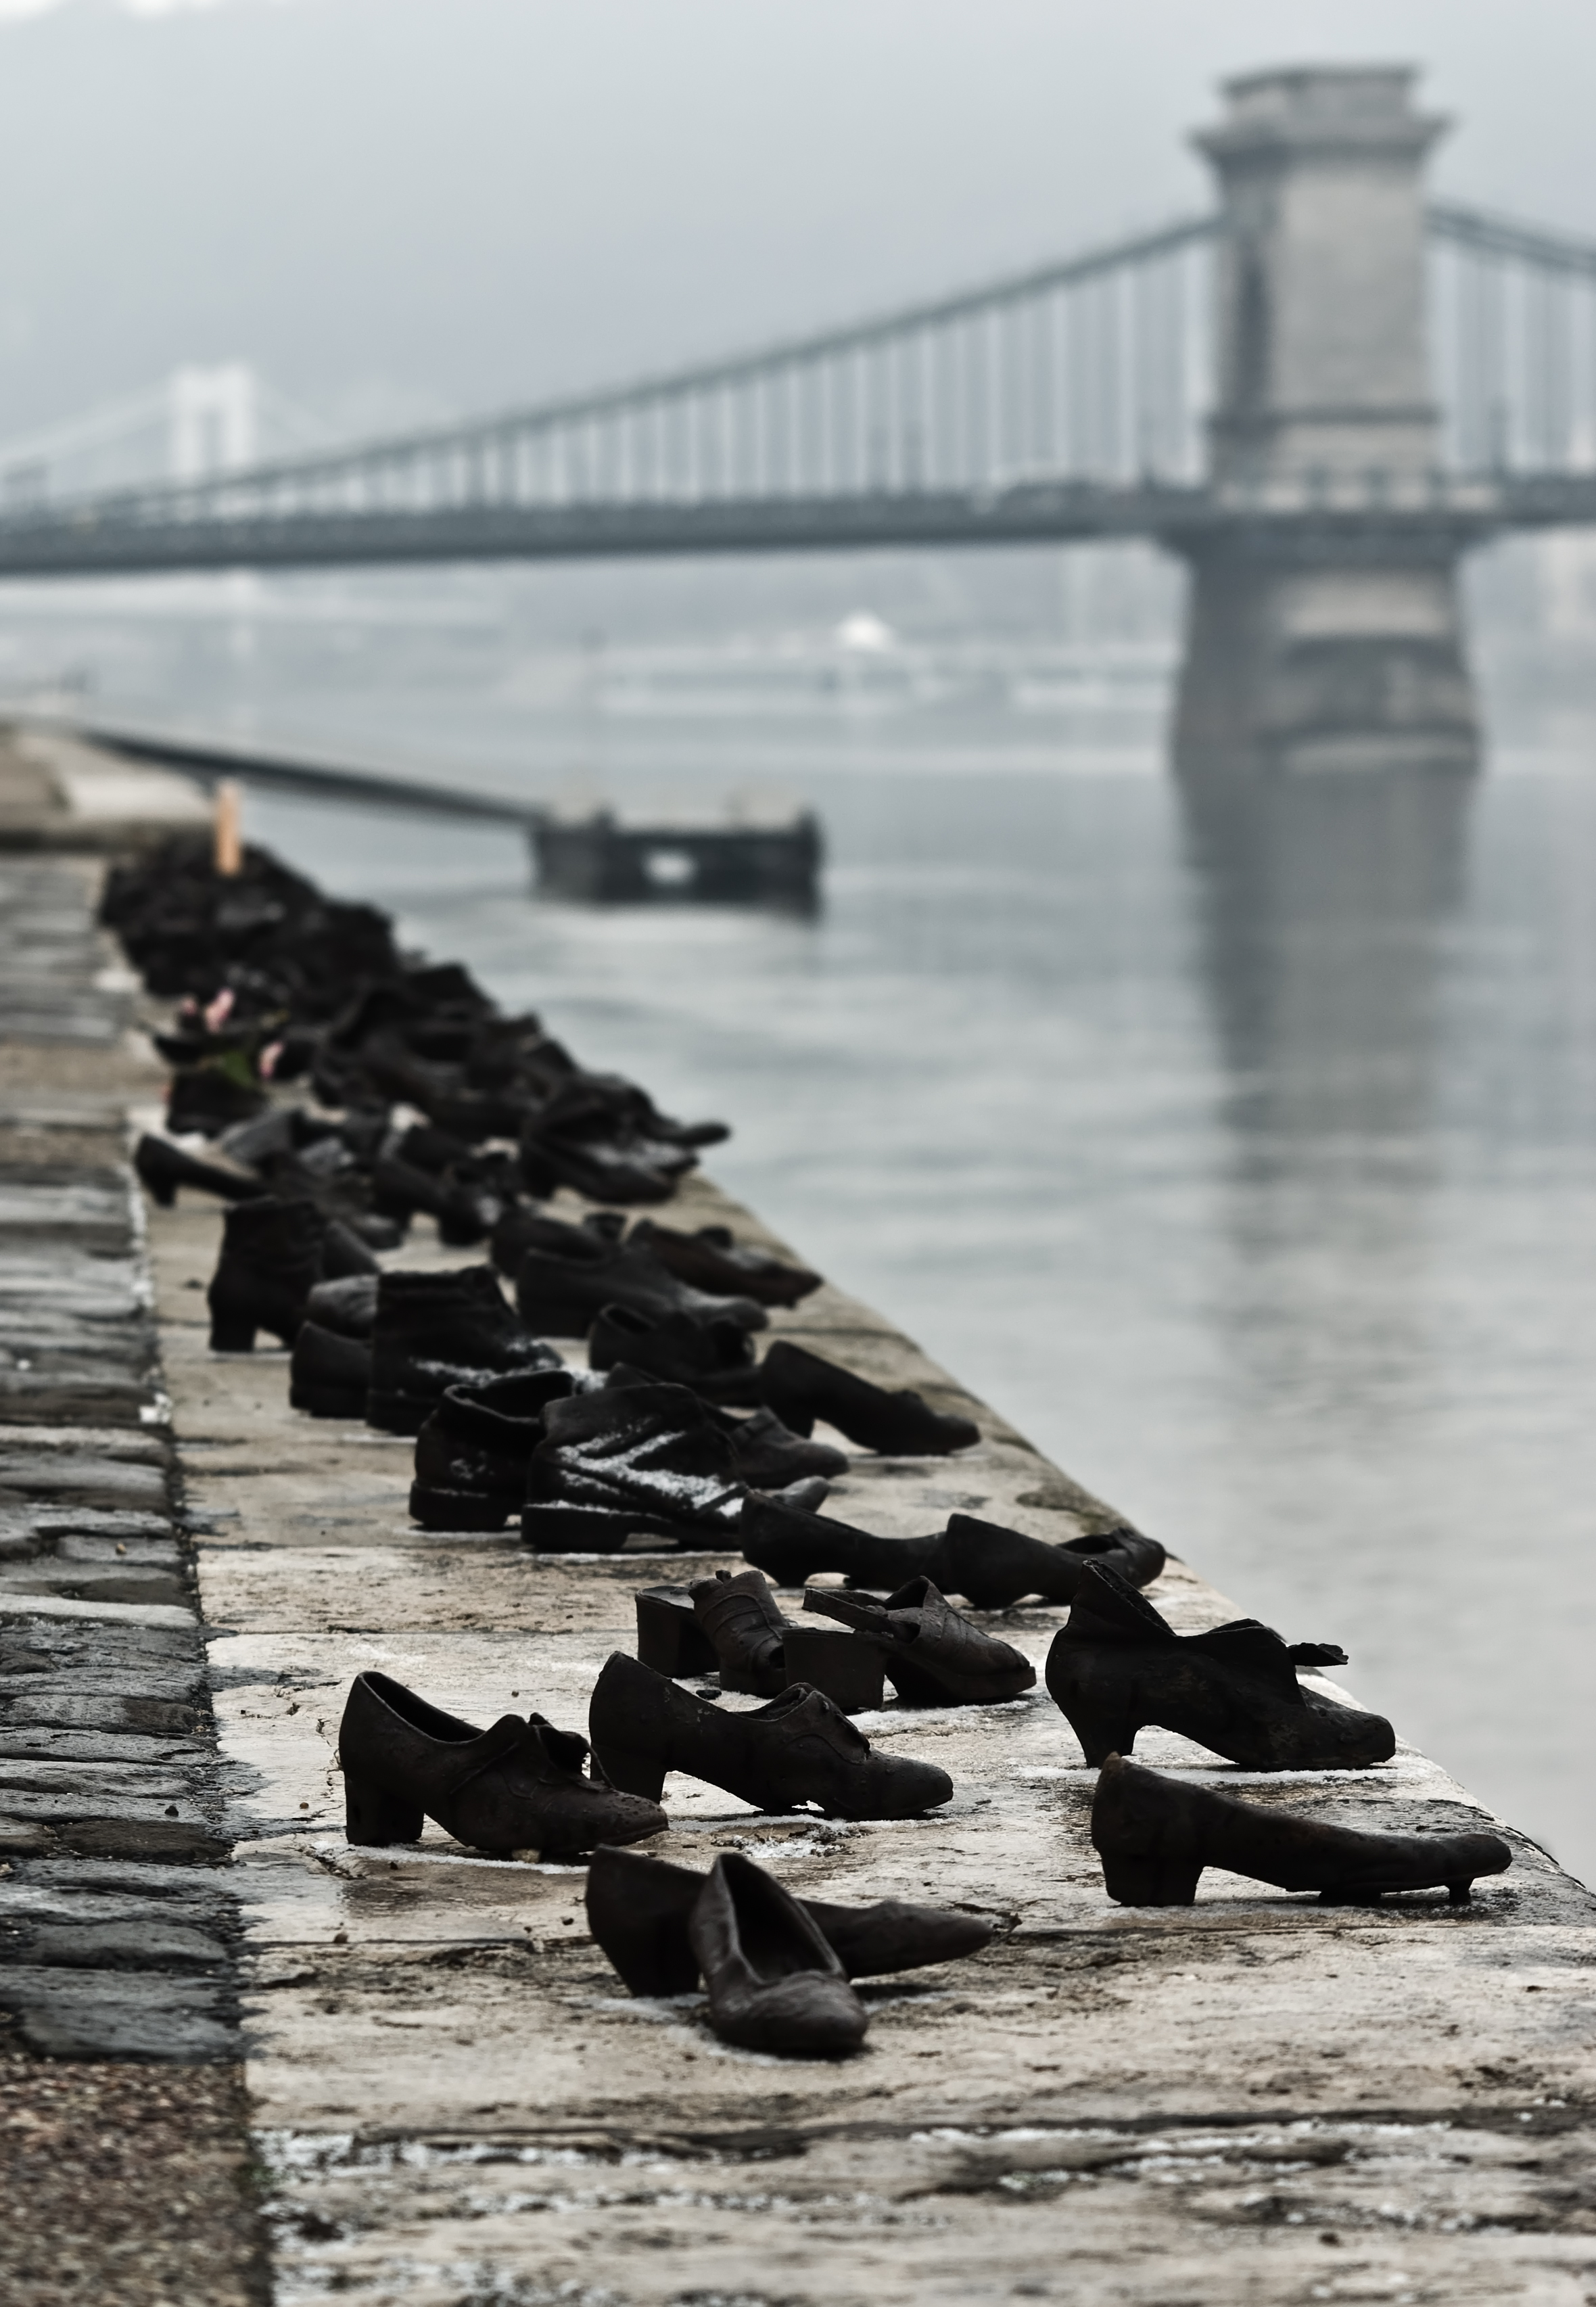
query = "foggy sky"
x=406 y=208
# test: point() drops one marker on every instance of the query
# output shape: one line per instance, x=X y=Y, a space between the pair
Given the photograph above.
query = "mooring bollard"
x=230 y=837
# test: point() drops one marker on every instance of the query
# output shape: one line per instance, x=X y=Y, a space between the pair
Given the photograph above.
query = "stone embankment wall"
x=456 y=2103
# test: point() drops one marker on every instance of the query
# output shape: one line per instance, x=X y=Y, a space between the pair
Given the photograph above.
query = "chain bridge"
x=1319 y=395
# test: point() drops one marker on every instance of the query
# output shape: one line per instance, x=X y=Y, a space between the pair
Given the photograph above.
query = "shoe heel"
x=373 y=1819
x=1105 y=1722
x=845 y=1667
x=630 y=1727
x=1101 y=1734
x=1150 y=1881
x=669 y=1638
x=232 y=1334
x=631 y=1772
x=162 y=1191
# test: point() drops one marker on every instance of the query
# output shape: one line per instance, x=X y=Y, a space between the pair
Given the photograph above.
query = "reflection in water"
x=1323 y=903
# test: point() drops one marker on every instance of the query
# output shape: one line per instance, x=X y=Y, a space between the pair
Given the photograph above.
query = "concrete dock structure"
x=442 y=2091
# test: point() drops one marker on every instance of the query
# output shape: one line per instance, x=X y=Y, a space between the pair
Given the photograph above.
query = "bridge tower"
x=1323 y=634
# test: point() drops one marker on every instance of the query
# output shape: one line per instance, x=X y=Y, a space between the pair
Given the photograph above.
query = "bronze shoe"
x=1155 y=1837
x=518 y=1786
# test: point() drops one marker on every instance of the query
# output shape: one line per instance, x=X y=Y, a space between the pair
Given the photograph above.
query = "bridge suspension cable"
x=1089 y=366
x=1512 y=343
x=1067 y=400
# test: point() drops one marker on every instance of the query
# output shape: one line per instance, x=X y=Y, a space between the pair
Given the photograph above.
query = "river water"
x=1247 y=1160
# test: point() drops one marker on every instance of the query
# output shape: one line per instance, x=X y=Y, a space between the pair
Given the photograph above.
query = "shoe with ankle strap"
x=1116 y=1666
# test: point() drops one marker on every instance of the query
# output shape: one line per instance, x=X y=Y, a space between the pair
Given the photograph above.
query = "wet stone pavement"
x=450 y=2099
x=1257 y=2099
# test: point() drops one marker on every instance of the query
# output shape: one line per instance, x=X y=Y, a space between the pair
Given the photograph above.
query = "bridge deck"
x=1435 y=518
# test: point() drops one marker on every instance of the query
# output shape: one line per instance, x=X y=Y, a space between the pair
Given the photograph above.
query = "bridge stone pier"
x=1335 y=642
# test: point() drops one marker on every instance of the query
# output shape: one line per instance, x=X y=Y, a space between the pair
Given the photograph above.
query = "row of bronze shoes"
x=778 y=1969
x=446 y=1356
x=275 y=982
x=429 y=1102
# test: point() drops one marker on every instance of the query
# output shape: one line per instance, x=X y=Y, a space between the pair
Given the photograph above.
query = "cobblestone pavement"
x=125 y=2152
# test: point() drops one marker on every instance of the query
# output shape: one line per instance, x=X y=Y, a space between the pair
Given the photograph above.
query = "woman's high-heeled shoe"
x=518 y=1786
x=801 y=1386
x=710 y=1259
x=800 y=1748
x=731 y=1626
x=791 y=1545
x=716 y=1359
x=1116 y=1666
x=992 y=1567
x=1156 y=1836
x=670 y=1640
x=745 y=1629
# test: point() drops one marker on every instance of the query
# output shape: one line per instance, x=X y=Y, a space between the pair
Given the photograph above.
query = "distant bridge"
x=1324 y=374
x=1062 y=405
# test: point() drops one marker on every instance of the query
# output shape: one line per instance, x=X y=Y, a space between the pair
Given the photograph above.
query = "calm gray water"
x=1250 y=1165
